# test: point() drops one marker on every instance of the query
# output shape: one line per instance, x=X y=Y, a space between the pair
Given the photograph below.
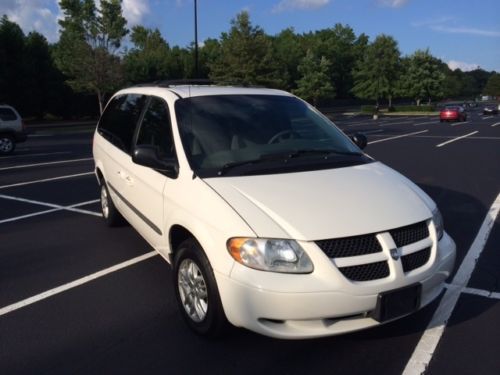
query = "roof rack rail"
x=177 y=82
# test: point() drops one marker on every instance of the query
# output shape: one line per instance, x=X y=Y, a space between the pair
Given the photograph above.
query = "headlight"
x=437 y=218
x=270 y=255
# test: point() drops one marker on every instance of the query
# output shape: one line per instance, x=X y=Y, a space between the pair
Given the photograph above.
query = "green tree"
x=493 y=86
x=89 y=41
x=11 y=59
x=376 y=75
x=424 y=77
x=148 y=60
x=315 y=84
x=287 y=53
x=245 y=55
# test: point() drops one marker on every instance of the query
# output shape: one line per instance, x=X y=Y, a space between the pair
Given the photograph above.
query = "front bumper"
x=310 y=314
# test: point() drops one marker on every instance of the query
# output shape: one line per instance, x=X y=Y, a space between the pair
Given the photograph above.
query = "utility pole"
x=196 y=38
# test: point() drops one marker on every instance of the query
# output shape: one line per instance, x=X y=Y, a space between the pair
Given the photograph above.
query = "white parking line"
x=48 y=163
x=496 y=124
x=396 y=123
x=46 y=180
x=46 y=204
x=425 y=123
x=28 y=155
x=424 y=351
x=456 y=139
x=482 y=293
x=48 y=211
x=75 y=283
x=486 y=118
x=460 y=123
x=397 y=136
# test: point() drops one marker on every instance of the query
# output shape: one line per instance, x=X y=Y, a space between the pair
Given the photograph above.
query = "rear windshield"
x=7 y=114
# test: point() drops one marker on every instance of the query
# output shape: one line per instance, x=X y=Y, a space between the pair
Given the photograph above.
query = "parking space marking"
x=486 y=118
x=424 y=351
x=48 y=211
x=496 y=124
x=41 y=154
x=425 y=123
x=46 y=204
x=75 y=283
x=47 y=163
x=459 y=123
x=398 y=136
x=482 y=293
x=46 y=180
x=456 y=139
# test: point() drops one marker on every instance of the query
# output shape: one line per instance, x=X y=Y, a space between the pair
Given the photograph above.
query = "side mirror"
x=360 y=140
x=147 y=156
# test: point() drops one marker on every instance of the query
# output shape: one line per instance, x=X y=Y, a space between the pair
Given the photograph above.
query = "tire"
x=111 y=216
x=196 y=291
x=7 y=144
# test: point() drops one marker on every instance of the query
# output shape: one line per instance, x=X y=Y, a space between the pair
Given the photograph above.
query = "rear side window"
x=7 y=114
x=156 y=128
x=120 y=118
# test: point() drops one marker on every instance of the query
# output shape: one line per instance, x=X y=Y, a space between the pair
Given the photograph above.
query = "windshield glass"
x=252 y=134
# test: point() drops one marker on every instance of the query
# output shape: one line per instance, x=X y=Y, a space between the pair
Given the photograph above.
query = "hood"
x=325 y=204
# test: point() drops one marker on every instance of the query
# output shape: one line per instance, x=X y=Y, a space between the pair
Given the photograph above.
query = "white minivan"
x=272 y=218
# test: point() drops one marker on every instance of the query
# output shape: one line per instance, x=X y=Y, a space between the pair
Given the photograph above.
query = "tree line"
x=96 y=54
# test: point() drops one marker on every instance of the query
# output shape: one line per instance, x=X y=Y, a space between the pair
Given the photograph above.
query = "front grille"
x=415 y=260
x=350 y=246
x=366 y=272
x=411 y=233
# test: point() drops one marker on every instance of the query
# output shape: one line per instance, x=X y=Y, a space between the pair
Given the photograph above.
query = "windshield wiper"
x=284 y=156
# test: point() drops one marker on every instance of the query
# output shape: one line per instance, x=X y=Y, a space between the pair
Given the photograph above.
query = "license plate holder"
x=397 y=302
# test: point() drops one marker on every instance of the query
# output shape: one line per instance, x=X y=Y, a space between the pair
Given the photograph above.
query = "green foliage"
x=149 y=60
x=493 y=86
x=376 y=75
x=245 y=56
x=424 y=77
x=414 y=108
x=314 y=84
x=89 y=40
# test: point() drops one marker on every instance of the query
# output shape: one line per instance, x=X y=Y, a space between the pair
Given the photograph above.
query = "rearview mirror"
x=147 y=156
x=360 y=140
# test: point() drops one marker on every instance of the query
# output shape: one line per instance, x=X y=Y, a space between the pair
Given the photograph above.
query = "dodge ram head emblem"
x=395 y=254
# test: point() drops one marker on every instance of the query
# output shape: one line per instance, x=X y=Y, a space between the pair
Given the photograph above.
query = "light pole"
x=196 y=38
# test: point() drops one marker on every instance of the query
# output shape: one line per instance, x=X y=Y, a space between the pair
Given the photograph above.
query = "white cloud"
x=466 y=30
x=463 y=66
x=34 y=15
x=135 y=10
x=392 y=3
x=285 y=5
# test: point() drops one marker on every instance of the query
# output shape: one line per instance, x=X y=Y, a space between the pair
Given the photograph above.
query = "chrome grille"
x=409 y=234
x=366 y=272
x=350 y=246
x=415 y=260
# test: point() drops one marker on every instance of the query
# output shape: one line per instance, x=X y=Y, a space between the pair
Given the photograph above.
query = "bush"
x=368 y=109
x=414 y=108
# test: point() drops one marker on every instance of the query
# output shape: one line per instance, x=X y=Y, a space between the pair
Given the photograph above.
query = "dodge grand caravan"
x=271 y=217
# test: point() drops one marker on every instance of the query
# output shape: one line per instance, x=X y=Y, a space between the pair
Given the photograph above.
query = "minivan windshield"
x=260 y=134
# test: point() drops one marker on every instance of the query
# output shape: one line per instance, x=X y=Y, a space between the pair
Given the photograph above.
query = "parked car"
x=12 y=129
x=453 y=113
x=271 y=217
x=491 y=110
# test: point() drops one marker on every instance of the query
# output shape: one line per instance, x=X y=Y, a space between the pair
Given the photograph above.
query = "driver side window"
x=156 y=129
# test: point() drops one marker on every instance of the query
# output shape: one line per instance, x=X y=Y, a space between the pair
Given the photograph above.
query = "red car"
x=453 y=113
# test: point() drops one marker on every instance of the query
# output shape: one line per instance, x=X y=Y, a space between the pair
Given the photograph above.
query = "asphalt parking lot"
x=77 y=297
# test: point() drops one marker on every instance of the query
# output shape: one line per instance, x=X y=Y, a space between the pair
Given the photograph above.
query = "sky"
x=463 y=33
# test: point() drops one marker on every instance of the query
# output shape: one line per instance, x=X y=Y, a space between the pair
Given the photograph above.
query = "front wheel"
x=196 y=291
x=109 y=212
x=7 y=144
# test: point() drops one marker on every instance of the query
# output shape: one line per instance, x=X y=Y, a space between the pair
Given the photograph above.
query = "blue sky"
x=463 y=33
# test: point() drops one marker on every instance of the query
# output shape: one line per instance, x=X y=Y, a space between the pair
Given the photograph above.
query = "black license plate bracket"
x=397 y=302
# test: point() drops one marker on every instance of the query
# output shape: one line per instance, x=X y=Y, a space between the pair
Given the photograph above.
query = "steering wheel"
x=283 y=136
